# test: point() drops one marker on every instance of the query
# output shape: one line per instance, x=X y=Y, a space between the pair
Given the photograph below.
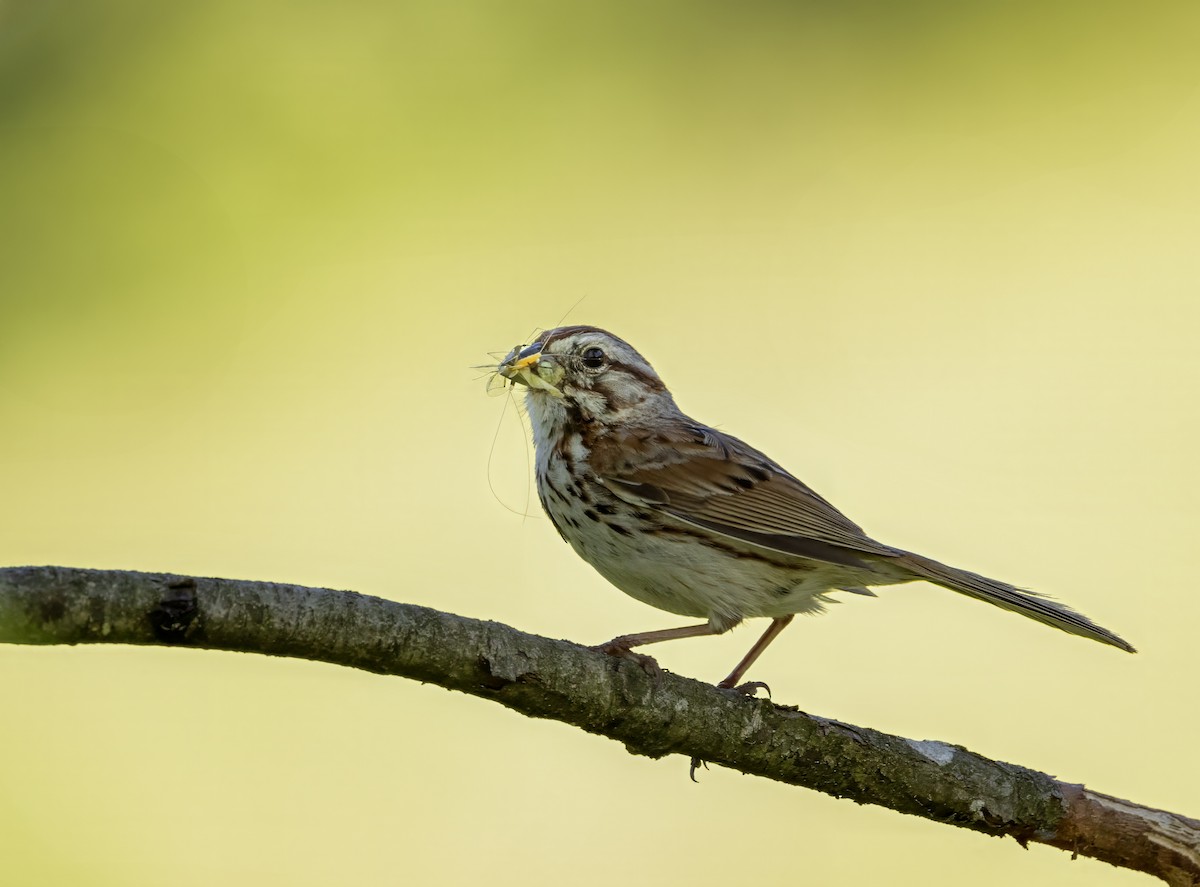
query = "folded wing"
x=717 y=482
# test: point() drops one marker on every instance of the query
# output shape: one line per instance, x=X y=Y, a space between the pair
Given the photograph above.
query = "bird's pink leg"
x=777 y=625
x=731 y=682
x=620 y=646
x=627 y=642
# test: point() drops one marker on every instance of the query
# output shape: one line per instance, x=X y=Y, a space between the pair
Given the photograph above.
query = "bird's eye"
x=593 y=358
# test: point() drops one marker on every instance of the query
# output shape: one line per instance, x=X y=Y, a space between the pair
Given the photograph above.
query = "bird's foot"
x=648 y=664
x=749 y=688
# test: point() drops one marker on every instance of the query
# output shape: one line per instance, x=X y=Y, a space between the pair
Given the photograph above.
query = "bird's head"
x=582 y=373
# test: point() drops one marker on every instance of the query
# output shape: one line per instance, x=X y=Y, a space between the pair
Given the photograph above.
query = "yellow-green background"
x=939 y=259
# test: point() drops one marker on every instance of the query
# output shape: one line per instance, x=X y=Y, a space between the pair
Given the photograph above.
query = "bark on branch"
x=546 y=678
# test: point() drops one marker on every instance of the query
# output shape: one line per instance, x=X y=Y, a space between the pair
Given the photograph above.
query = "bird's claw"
x=648 y=664
x=749 y=688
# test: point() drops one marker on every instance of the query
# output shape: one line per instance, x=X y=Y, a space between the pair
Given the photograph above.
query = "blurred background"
x=938 y=259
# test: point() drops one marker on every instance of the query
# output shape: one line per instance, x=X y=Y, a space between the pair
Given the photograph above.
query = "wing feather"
x=718 y=482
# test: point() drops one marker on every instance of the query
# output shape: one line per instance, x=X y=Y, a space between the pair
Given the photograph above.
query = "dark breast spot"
x=617 y=528
x=591 y=515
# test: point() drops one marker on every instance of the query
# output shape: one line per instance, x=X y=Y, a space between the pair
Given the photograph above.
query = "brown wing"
x=715 y=481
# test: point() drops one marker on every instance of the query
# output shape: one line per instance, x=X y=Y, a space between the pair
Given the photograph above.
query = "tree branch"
x=545 y=678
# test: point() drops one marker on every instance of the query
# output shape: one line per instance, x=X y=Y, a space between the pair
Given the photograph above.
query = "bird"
x=696 y=522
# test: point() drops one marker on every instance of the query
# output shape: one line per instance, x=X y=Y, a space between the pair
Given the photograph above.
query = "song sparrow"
x=694 y=521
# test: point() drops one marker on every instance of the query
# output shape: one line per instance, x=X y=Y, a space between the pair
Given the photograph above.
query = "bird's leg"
x=626 y=642
x=621 y=646
x=778 y=624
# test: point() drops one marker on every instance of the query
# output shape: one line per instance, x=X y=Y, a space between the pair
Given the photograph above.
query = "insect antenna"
x=523 y=512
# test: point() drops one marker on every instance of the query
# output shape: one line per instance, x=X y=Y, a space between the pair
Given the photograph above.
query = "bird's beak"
x=525 y=365
x=520 y=361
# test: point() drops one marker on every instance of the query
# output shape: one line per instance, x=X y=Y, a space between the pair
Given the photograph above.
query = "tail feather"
x=1001 y=594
